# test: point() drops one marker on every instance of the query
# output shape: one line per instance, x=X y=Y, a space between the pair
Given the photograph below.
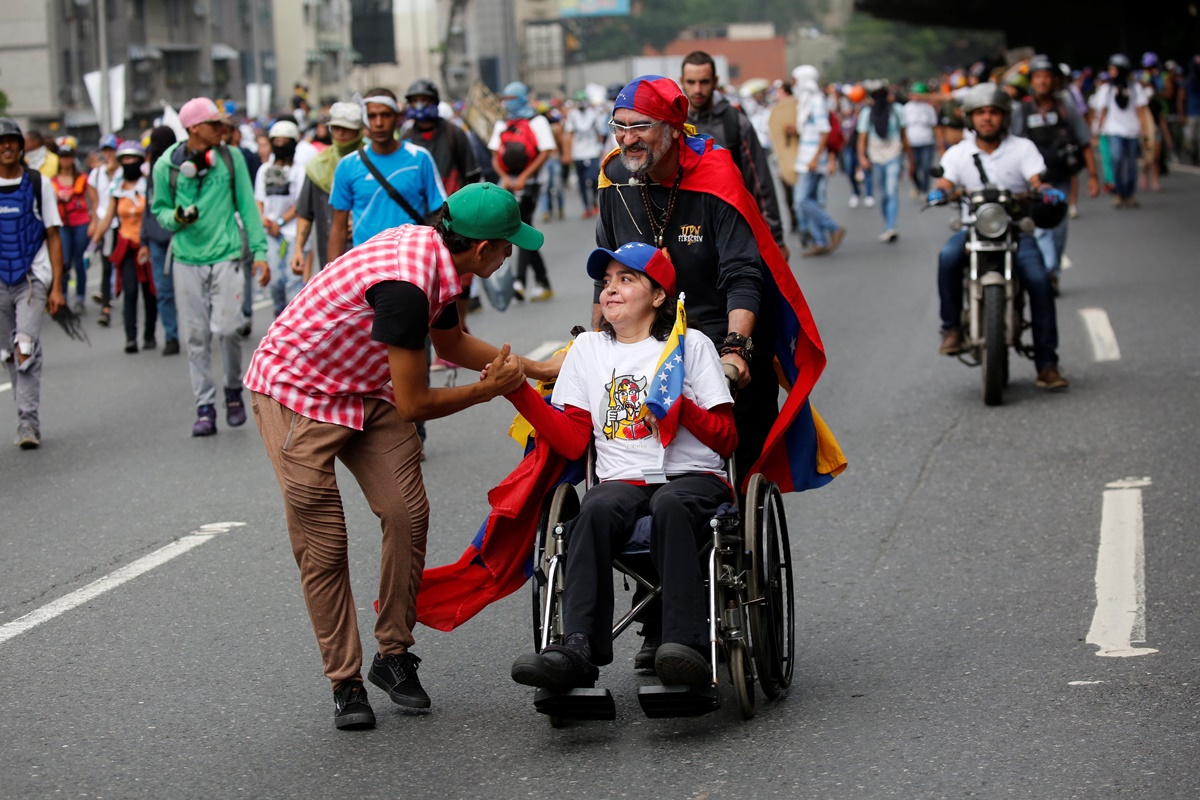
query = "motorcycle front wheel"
x=995 y=348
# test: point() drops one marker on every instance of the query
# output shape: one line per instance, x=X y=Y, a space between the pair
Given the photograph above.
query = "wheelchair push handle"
x=731 y=375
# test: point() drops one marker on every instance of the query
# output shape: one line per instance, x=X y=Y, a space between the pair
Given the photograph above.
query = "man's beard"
x=651 y=160
x=992 y=137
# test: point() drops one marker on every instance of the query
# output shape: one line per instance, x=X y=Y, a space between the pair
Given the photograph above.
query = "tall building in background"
x=397 y=41
x=172 y=50
x=315 y=47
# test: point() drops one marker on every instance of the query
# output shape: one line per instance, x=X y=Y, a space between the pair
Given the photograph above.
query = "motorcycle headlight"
x=991 y=220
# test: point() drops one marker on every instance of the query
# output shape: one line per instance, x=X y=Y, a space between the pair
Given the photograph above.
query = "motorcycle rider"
x=1009 y=162
x=1063 y=138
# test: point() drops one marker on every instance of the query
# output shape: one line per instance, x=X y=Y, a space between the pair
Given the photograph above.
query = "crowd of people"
x=366 y=223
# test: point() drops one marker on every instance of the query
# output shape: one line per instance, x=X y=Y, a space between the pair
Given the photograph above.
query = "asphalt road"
x=945 y=582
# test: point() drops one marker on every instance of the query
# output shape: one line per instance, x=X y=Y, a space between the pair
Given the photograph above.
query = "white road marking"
x=4 y=387
x=1104 y=341
x=1084 y=683
x=544 y=350
x=114 y=579
x=1120 y=616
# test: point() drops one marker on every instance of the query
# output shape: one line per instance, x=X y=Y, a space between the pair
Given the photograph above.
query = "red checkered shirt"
x=318 y=358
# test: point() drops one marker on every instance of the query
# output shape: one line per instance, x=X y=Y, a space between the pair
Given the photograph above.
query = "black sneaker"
x=397 y=675
x=680 y=665
x=643 y=661
x=352 y=711
x=171 y=347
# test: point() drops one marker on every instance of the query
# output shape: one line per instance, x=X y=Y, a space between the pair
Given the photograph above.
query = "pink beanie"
x=198 y=110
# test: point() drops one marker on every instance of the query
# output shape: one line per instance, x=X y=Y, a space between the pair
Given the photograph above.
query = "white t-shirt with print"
x=1123 y=122
x=600 y=373
x=41 y=261
x=1009 y=166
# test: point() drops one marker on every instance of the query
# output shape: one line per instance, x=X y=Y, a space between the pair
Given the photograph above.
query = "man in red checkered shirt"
x=327 y=382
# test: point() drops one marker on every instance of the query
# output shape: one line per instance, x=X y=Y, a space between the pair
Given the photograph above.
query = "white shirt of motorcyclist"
x=1009 y=166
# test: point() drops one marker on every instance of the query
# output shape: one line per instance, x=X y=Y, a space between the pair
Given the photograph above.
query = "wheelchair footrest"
x=678 y=701
x=576 y=703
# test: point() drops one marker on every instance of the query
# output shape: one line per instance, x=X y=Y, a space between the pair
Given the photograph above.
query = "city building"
x=171 y=50
x=314 y=48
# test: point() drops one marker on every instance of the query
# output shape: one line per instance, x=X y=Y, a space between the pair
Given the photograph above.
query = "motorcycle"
x=994 y=316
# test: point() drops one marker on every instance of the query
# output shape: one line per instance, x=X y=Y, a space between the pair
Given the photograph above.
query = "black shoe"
x=244 y=330
x=644 y=660
x=680 y=665
x=171 y=347
x=397 y=675
x=131 y=346
x=352 y=711
x=556 y=668
x=149 y=343
x=105 y=317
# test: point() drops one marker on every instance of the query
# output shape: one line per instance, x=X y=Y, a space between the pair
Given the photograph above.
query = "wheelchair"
x=748 y=583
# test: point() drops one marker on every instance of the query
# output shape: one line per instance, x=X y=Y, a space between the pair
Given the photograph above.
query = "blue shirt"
x=410 y=170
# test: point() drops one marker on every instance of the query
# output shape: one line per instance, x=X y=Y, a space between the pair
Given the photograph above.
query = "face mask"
x=284 y=152
x=346 y=148
x=326 y=139
x=420 y=111
x=131 y=171
x=518 y=108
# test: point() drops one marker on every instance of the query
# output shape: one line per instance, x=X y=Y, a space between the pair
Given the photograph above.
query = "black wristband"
x=742 y=346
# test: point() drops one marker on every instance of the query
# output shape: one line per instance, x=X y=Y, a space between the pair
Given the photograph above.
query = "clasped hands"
x=505 y=374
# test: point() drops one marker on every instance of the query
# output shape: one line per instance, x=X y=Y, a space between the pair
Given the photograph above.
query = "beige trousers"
x=385 y=459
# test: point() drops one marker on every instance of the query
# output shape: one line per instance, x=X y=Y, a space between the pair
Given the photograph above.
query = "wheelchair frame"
x=750 y=606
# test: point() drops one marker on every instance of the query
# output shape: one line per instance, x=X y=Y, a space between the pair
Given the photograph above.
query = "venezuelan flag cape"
x=800 y=451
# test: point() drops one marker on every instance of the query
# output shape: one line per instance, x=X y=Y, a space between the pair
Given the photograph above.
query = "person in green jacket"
x=215 y=221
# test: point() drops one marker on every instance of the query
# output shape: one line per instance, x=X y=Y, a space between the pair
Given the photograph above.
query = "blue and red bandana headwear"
x=657 y=97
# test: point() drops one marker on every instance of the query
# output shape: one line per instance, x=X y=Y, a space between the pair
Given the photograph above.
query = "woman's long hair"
x=881 y=108
x=664 y=319
x=1121 y=85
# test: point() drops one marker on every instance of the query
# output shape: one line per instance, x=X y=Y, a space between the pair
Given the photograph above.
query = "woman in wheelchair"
x=600 y=398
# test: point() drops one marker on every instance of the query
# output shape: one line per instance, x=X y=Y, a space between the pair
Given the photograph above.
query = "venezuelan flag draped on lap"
x=667 y=386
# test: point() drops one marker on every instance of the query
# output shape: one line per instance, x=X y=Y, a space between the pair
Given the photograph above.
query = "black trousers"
x=531 y=258
x=129 y=290
x=680 y=511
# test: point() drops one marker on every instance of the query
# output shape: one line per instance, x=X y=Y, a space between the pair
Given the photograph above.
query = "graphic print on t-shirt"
x=626 y=407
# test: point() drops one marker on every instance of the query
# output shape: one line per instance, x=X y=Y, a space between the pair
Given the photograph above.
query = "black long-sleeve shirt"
x=711 y=245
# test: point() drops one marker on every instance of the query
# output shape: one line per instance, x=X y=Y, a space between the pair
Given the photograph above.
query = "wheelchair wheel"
x=772 y=624
x=741 y=675
x=561 y=506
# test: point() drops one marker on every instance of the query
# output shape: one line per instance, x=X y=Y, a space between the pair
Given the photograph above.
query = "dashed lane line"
x=1100 y=331
x=114 y=579
x=1120 y=616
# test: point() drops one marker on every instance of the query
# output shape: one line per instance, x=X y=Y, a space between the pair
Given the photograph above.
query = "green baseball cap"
x=485 y=211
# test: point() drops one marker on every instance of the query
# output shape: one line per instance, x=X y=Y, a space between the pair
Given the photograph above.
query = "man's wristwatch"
x=739 y=345
x=279 y=221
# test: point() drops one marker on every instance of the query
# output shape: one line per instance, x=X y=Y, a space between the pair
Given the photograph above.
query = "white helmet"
x=284 y=129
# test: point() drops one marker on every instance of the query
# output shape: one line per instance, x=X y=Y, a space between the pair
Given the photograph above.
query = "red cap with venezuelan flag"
x=657 y=97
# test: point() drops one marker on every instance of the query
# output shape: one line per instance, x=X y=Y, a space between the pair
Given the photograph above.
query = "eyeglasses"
x=640 y=128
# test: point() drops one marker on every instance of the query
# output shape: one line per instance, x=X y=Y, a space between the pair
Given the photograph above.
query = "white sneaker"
x=869 y=202
x=1073 y=212
x=854 y=201
x=889 y=236
x=1065 y=262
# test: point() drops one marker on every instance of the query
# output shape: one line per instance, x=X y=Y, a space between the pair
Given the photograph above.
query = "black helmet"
x=985 y=95
x=422 y=87
x=9 y=127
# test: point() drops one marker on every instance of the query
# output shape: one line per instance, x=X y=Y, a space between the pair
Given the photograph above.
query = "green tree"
x=876 y=48
x=659 y=22
x=3 y=103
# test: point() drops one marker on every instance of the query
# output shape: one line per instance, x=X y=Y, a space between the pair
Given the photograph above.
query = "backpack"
x=518 y=146
x=837 y=138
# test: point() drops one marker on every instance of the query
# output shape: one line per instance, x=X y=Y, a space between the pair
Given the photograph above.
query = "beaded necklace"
x=657 y=228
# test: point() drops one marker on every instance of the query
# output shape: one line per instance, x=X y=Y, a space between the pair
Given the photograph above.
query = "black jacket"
x=732 y=130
